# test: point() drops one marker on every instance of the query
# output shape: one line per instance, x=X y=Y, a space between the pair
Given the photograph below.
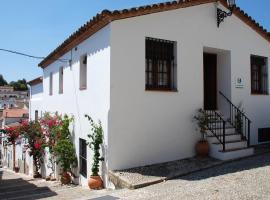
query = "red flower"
x=37 y=145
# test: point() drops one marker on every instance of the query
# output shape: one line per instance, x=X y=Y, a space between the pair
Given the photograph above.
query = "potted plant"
x=202 y=146
x=96 y=140
x=65 y=151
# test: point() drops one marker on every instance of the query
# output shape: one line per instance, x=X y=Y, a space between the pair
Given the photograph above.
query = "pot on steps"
x=202 y=148
x=65 y=178
x=95 y=182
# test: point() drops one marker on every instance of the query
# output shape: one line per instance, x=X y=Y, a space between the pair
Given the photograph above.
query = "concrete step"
x=228 y=138
x=232 y=153
x=234 y=144
x=228 y=130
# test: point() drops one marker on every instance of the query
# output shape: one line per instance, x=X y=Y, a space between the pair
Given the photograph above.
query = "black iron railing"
x=238 y=120
x=217 y=125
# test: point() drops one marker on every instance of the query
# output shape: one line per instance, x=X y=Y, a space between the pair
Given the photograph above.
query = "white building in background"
x=145 y=71
x=12 y=118
x=36 y=96
x=9 y=98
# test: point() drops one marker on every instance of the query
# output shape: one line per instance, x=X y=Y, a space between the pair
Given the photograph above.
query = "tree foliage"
x=20 y=85
x=3 y=82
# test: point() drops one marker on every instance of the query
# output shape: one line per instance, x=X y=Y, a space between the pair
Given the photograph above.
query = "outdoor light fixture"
x=221 y=15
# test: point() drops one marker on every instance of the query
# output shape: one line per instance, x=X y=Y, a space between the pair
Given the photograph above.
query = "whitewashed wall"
x=93 y=101
x=143 y=127
x=36 y=96
x=149 y=127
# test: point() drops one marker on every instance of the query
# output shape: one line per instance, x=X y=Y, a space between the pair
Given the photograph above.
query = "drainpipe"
x=30 y=97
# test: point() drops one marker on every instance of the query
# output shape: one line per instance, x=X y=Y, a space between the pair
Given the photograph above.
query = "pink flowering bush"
x=36 y=143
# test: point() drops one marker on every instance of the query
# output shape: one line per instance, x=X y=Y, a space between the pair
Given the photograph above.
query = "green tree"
x=20 y=85
x=2 y=80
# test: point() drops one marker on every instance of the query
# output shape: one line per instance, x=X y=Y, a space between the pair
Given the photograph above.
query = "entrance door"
x=210 y=81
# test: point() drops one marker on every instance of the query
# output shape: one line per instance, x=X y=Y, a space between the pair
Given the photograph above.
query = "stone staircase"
x=235 y=146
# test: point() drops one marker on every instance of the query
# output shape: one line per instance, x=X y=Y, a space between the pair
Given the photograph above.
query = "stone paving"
x=243 y=179
x=148 y=175
x=19 y=186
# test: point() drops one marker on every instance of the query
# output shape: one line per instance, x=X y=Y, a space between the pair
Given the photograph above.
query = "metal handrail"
x=217 y=125
x=236 y=117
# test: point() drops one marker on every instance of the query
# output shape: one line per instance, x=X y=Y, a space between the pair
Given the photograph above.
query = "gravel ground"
x=244 y=179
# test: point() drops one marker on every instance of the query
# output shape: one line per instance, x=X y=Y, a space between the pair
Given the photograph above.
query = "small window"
x=51 y=84
x=36 y=115
x=61 y=80
x=264 y=135
x=83 y=157
x=160 y=71
x=83 y=72
x=259 y=75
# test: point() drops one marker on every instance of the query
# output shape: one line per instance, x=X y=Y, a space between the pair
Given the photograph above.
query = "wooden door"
x=210 y=81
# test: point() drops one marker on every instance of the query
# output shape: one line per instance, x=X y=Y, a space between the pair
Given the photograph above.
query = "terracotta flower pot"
x=16 y=169
x=65 y=178
x=37 y=175
x=202 y=148
x=95 y=182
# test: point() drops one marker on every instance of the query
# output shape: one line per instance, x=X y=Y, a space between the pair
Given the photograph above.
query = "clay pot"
x=37 y=175
x=65 y=178
x=202 y=148
x=16 y=169
x=95 y=182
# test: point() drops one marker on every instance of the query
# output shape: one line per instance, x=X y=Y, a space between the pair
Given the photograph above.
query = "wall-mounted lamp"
x=221 y=15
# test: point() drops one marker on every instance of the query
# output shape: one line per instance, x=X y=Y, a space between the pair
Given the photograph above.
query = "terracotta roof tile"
x=15 y=113
x=105 y=17
x=36 y=81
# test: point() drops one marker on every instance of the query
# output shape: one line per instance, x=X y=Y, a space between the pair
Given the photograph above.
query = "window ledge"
x=161 y=90
x=83 y=88
x=259 y=94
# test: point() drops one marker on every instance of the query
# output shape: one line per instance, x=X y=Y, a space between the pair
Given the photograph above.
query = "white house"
x=9 y=98
x=145 y=71
x=36 y=96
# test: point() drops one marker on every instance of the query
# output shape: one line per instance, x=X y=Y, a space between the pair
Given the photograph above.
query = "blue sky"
x=38 y=26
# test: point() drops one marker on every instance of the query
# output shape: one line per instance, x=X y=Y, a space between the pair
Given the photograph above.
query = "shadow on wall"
x=17 y=187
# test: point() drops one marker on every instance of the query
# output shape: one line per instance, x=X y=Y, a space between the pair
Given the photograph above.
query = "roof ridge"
x=106 y=16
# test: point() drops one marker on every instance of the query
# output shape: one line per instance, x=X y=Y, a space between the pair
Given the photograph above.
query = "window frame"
x=83 y=158
x=51 y=84
x=83 y=72
x=36 y=115
x=61 y=80
x=160 y=65
x=262 y=80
